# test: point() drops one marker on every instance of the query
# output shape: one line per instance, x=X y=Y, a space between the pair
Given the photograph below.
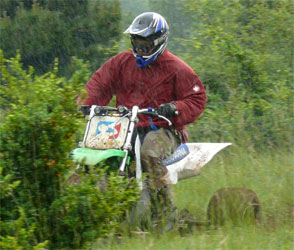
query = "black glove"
x=167 y=110
x=86 y=109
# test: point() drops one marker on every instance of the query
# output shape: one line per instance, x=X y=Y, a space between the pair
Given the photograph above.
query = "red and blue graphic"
x=106 y=127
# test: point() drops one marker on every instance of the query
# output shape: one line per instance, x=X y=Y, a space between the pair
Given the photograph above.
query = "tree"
x=44 y=30
x=242 y=51
x=179 y=18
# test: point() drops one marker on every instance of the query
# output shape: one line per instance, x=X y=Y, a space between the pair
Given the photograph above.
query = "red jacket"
x=167 y=79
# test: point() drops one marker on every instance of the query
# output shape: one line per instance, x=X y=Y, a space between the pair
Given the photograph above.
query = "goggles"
x=144 y=45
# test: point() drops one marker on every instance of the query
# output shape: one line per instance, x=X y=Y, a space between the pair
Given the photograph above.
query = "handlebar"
x=122 y=110
x=153 y=112
x=104 y=110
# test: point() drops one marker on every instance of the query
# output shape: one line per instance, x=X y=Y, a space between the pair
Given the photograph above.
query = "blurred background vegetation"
x=242 y=50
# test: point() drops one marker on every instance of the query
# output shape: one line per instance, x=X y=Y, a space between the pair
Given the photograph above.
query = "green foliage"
x=6 y=185
x=17 y=235
x=38 y=131
x=242 y=52
x=179 y=19
x=9 y=7
x=45 y=30
x=99 y=209
x=245 y=237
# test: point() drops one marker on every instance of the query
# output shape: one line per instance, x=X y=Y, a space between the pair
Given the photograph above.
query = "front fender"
x=90 y=156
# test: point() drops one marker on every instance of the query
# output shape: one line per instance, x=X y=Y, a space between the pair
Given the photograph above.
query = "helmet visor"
x=142 y=44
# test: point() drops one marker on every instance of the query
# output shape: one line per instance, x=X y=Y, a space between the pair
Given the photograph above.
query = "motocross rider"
x=151 y=76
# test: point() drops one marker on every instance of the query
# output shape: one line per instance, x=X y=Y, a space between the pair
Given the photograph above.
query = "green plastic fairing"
x=90 y=156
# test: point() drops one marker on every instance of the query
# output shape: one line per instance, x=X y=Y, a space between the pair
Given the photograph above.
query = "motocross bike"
x=109 y=134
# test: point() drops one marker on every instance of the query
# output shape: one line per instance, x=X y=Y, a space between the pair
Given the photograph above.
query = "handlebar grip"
x=154 y=113
x=102 y=109
x=86 y=109
x=122 y=109
x=98 y=110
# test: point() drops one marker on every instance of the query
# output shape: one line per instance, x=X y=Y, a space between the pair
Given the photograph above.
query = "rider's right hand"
x=85 y=109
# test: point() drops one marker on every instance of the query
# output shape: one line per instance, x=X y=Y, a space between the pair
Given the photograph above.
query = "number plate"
x=107 y=132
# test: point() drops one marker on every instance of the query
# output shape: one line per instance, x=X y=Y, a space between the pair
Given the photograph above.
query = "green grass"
x=270 y=175
x=225 y=238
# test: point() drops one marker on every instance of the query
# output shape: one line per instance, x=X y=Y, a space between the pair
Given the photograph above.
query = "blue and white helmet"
x=149 y=35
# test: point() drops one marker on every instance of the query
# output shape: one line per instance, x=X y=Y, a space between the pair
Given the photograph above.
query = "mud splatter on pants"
x=156 y=196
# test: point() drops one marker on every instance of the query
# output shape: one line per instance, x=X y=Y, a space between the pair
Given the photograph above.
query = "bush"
x=86 y=212
x=242 y=52
x=37 y=133
x=15 y=234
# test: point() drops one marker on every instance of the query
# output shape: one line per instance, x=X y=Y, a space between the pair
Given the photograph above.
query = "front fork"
x=128 y=145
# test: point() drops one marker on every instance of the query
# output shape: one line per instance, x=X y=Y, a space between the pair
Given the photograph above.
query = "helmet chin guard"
x=141 y=63
x=151 y=27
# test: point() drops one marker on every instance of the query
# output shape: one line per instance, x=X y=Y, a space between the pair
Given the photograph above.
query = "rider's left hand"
x=167 y=110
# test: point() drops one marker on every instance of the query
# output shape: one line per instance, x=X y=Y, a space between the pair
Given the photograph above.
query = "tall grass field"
x=270 y=175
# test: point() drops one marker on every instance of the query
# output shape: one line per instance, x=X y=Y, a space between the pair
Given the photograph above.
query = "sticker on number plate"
x=107 y=132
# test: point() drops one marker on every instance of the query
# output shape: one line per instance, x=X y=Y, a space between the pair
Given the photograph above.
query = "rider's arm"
x=103 y=84
x=190 y=96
